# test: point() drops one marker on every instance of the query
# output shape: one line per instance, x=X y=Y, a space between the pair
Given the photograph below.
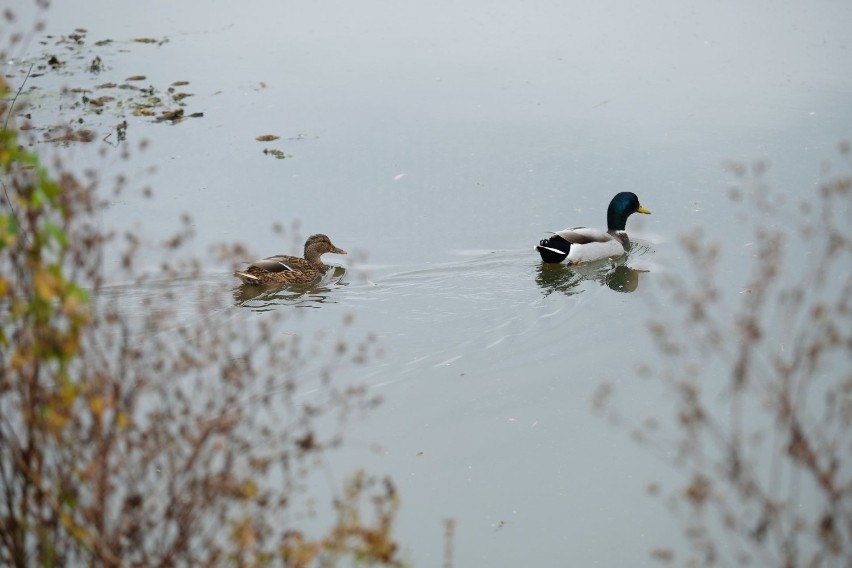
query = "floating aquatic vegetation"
x=73 y=56
x=275 y=153
x=68 y=134
x=97 y=65
x=149 y=40
x=120 y=132
x=99 y=102
x=172 y=115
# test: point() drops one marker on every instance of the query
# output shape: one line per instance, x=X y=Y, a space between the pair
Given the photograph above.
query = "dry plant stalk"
x=159 y=439
x=765 y=449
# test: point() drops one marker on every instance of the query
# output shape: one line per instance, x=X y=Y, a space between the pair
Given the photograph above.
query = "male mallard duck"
x=582 y=244
x=283 y=269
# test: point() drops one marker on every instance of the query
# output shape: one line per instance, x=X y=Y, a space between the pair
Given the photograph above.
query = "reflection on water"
x=614 y=274
x=557 y=278
x=265 y=298
x=623 y=278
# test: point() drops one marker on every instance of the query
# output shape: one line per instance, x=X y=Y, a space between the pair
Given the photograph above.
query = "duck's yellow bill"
x=643 y=210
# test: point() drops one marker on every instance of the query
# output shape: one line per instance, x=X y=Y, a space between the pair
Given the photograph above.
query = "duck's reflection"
x=262 y=298
x=557 y=278
x=566 y=279
x=622 y=278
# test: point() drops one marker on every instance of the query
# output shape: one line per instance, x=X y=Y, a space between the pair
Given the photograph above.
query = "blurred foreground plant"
x=155 y=440
x=766 y=447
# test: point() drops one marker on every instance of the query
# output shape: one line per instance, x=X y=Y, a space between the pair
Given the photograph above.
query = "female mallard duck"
x=582 y=244
x=283 y=269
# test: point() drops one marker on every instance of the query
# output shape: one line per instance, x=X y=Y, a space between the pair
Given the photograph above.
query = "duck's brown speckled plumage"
x=284 y=269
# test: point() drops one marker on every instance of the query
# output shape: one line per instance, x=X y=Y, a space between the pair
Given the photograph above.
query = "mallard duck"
x=283 y=269
x=582 y=244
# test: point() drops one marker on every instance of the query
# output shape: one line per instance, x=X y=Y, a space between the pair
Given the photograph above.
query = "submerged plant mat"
x=94 y=94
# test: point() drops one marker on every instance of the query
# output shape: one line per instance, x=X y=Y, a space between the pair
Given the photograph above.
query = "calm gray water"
x=439 y=142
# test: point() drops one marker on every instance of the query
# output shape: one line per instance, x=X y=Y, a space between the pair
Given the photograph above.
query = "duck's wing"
x=247 y=278
x=578 y=244
x=279 y=263
x=584 y=235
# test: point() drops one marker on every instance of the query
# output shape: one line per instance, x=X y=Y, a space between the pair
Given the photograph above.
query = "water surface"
x=440 y=142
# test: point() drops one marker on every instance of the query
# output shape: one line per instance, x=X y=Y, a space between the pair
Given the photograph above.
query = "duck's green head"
x=622 y=206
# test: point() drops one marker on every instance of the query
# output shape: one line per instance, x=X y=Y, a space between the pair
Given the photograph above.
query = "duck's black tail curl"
x=553 y=250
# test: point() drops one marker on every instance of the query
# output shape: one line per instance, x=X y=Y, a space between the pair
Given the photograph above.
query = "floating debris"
x=100 y=101
x=172 y=115
x=130 y=97
x=71 y=135
x=176 y=115
x=275 y=153
x=267 y=138
x=97 y=65
x=120 y=133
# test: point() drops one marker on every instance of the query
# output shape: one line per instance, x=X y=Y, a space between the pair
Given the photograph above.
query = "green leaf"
x=57 y=232
x=9 y=229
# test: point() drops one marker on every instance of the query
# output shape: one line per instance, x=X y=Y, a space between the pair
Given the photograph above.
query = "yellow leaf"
x=44 y=284
x=68 y=394
x=121 y=420
x=71 y=305
x=56 y=421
